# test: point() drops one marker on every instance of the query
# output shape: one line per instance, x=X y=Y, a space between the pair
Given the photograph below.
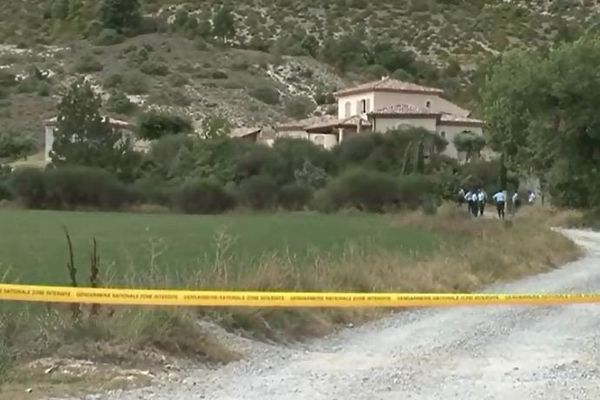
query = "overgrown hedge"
x=372 y=173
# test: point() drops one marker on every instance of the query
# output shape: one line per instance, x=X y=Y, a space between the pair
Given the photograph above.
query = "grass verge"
x=468 y=255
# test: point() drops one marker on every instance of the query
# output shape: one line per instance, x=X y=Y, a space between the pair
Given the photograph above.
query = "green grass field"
x=33 y=247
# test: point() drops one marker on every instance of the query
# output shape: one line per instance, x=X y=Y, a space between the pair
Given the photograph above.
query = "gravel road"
x=492 y=352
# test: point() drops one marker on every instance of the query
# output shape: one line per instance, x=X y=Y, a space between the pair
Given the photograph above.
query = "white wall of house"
x=449 y=132
x=386 y=124
x=421 y=100
x=48 y=141
x=355 y=104
x=327 y=141
x=299 y=134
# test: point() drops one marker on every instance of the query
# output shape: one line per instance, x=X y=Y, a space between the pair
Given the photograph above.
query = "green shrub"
x=219 y=75
x=7 y=78
x=88 y=63
x=294 y=196
x=6 y=192
x=202 y=197
x=108 y=37
x=258 y=192
x=70 y=187
x=178 y=80
x=324 y=98
x=416 y=191
x=155 y=124
x=14 y=146
x=153 y=67
x=114 y=80
x=299 y=107
x=135 y=83
x=266 y=94
x=361 y=189
x=28 y=186
x=260 y=160
x=118 y=102
x=44 y=89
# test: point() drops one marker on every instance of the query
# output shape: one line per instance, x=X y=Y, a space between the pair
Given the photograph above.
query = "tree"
x=542 y=113
x=121 y=15
x=84 y=137
x=469 y=143
x=224 y=24
x=13 y=146
x=156 y=124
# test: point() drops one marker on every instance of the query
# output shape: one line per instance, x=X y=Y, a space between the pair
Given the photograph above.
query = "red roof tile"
x=388 y=85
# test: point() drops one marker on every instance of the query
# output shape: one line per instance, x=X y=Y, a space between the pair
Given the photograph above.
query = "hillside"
x=277 y=51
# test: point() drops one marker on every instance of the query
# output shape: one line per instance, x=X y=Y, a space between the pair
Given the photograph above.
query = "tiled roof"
x=113 y=121
x=354 y=121
x=451 y=119
x=405 y=110
x=389 y=85
x=307 y=122
x=243 y=131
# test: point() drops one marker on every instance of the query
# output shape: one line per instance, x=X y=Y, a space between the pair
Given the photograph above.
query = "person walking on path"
x=475 y=203
x=516 y=202
x=481 y=200
x=500 y=199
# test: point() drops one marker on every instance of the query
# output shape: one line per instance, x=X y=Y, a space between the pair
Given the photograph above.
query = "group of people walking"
x=476 y=200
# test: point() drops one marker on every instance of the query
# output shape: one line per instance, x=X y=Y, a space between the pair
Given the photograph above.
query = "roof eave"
x=351 y=92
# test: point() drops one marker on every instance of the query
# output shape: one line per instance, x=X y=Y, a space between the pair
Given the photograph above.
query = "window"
x=443 y=134
x=319 y=140
x=347 y=109
x=363 y=106
x=368 y=105
x=428 y=104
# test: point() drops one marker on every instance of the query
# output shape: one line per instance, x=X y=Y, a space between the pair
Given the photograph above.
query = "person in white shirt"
x=531 y=198
x=515 y=202
x=481 y=200
x=500 y=199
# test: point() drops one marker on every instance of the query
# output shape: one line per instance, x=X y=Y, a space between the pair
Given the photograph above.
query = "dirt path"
x=462 y=353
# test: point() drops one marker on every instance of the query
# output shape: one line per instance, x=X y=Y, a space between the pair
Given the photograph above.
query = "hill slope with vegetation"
x=257 y=62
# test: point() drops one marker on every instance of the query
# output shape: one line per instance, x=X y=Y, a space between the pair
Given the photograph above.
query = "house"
x=384 y=105
x=125 y=127
x=248 y=134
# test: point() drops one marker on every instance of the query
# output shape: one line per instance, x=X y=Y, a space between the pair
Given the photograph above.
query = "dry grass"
x=475 y=253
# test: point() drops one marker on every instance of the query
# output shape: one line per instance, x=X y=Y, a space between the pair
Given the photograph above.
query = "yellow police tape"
x=149 y=297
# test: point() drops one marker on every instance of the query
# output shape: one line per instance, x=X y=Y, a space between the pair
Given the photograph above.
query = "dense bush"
x=361 y=189
x=88 y=63
x=266 y=94
x=258 y=192
x=155 y=124
x=299 y=107
x=154 y=67
x=118 y=102
x=295 y=196
x=416 y=191
x=70 y=187
x=6 y=192
x=108 y=37
x=135 y=83
x=29 y=187
x=305 y=162
x=13 y=145
x=202 y=197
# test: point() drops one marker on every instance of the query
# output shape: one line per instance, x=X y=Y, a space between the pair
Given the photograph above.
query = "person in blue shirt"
x=500 y=199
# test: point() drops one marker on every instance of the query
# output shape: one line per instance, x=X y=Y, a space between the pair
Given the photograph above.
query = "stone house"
x=385 y=105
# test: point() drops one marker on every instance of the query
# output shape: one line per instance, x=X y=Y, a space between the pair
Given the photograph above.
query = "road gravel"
x=494 y=352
